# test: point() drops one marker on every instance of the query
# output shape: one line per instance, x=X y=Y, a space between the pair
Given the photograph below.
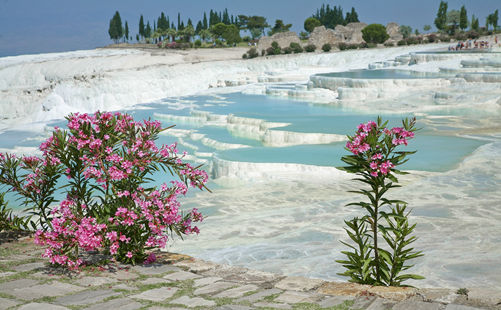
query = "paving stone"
x=53 y=289
x=272 y=305
x=381 y=304
x=157 y=294
x=334 y=301
x=85 y=298
x=119 y=303
x=299 y=284
x=155 y=269
x=181 y=276
x=237 y=291
x=438 y=294
x=6 y=274
x=196 y=265
x=460 y=307
x=164 y=308
x=94 y=281
x=29 y=267
x=7 y=303
x=193 y=302
x=214 y=288
x=154 y=281
x=343 y=289
x=416 y=305
x=486 y=296
x=234 y=307
x=244 y=275
x=394 y=293
x=260 y=295
x=123 y=286
x=123 y=275
x=41 y=306
x=363 y=302
x=7 y=287
x=293 y=297
x=205 y=281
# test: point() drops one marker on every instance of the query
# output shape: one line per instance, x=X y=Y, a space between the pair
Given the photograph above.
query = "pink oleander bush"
x=111 y=205
x=374 y=159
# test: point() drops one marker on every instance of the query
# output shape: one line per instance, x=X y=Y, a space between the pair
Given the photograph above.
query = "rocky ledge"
x=179 y=282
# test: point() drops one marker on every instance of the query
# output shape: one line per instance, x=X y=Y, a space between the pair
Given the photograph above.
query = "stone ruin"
x=393 y=31
x=283 y=39
x=351 y=33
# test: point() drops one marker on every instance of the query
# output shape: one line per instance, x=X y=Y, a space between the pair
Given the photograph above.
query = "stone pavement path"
x=180 y=282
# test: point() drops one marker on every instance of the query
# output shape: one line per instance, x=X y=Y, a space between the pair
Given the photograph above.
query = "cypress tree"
x=199 y=27
x=147 y=30
x=126 y=31
x=463 y=19
x=441 y=20
x=115 y=29
x=141 y=26
x=204 y=22
x=226 y=17
x=179 y=21
x=190 y=23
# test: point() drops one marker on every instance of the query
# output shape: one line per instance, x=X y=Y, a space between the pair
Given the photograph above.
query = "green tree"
x=115 y=29
x=441 y=19
x=427 y=28
x=171 y=33
x=311 y=23
x=405 y=31
x=205 y=25
x=199 y=27
x=126 y=31
x=232 y=34
x=331 y=17
x=280 y=27
x=375 y=33
x=226 y=17
x=351 y=17
x=147 y=30
x=453 y=18
x=141 y=26
x=494 y=19
x=253 y=24
x=474 y=23
x=188 y=32
x=463 y=19
x=205 y=34
x=218 y=30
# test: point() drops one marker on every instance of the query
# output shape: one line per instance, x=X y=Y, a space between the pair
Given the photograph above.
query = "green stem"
x=374 y=229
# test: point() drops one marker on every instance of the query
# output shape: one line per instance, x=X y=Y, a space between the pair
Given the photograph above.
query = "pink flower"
x=129 y=254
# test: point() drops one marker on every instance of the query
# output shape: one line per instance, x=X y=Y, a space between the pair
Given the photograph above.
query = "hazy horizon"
x=33 y=27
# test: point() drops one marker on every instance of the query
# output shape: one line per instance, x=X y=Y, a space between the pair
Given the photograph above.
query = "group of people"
x=473 y=44
x=470 y=44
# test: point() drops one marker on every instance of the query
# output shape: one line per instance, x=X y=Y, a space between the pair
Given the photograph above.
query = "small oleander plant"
x=374 y=160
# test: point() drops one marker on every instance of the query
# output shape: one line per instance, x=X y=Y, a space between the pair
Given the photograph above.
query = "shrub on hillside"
x=371 y=45
x=198 y=43
x=444 y=38
x=263 y=52
x=389 y=44
x=252 y=53
x=296 y=47
x=274 y=49
x=432 y=38
x=402 y=42
x=375 y=33
x=363 y=45
x=472 y=35
x=412 y=40
x=287 y=50
x=326 y=47
x=310 y=48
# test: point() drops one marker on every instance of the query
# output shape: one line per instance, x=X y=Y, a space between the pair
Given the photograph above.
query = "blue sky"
x=40 y=26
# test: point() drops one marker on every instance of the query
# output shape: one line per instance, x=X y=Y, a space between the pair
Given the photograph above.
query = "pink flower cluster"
x=68 y=228
x=371 y=143
x=111 y=151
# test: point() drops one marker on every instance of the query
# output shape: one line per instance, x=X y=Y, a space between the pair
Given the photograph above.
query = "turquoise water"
x=384 y=74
